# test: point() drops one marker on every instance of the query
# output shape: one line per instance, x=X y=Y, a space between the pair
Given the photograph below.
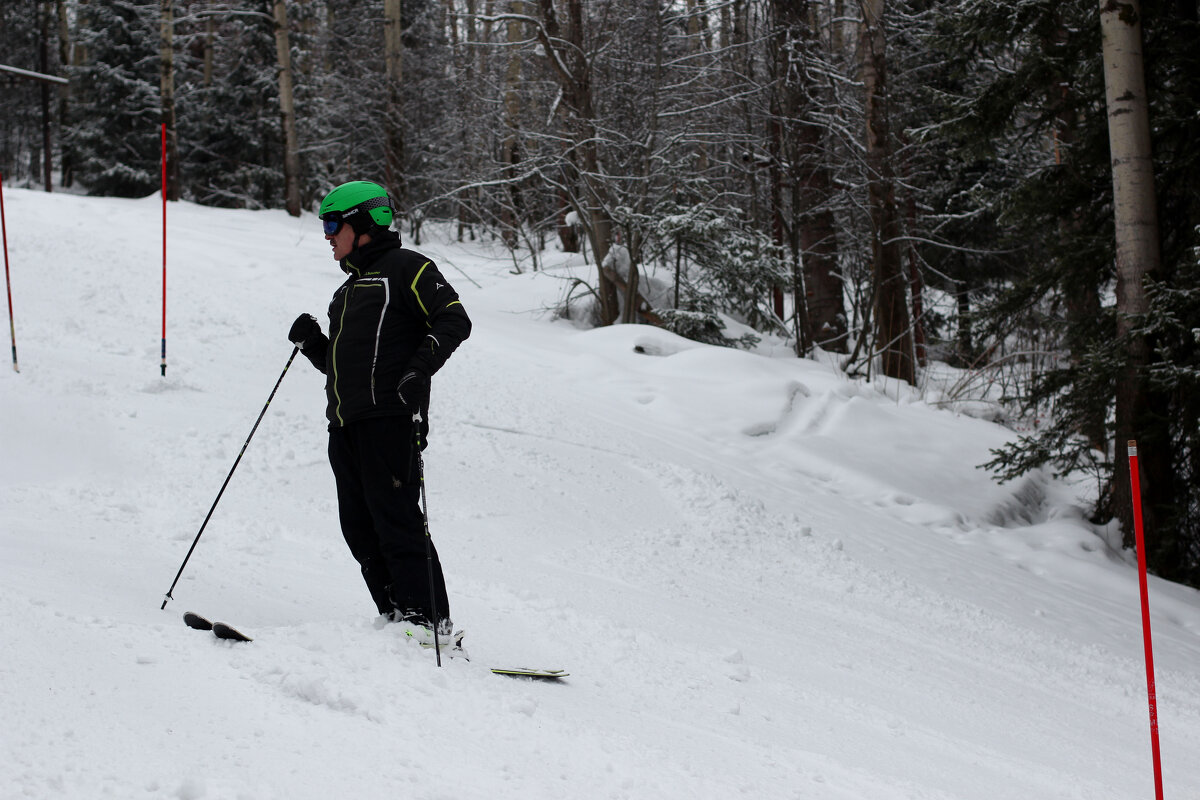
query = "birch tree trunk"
x=1137 y=247
x=166 y=76
x=287 y=110
x=393 y=45
x=66 y=157
x=464 y=69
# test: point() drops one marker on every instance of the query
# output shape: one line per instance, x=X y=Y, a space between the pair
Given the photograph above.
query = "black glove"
x=413 y=390
x=304 y=329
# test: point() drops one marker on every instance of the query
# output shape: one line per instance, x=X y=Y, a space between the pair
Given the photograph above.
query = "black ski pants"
x=374 y=463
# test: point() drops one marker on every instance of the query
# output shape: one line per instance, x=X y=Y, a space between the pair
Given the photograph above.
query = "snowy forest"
x=1009 y=187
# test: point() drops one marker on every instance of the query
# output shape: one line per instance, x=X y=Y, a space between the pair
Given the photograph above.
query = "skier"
x=392 y=325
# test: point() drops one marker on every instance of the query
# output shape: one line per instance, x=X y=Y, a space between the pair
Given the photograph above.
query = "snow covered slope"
x=766 y=580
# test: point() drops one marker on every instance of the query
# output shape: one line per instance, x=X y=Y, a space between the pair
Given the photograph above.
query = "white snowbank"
x=765 y=580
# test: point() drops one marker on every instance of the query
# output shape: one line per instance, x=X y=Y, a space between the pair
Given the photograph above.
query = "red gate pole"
x=12 y=327
x=164 y=238
x=1136 y=484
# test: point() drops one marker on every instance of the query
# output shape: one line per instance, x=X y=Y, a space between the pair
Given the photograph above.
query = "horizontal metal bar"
x=37 y=76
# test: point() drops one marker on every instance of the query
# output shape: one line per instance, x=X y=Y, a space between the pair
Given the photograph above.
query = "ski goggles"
x=332 y=225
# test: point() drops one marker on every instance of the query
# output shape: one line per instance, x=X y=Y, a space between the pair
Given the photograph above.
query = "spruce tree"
x=115 y=135
x=230 y=135
x=27 y=36
x=1046 y=97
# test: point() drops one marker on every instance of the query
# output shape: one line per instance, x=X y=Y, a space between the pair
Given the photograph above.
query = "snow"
x=766 y=580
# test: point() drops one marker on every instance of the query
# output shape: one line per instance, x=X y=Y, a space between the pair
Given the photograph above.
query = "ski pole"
x=12 y=328
x=437 y=645
x=227 y=477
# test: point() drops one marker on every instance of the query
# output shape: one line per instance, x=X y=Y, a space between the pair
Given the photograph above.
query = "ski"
x=532 y=674
x=454 y=650
x=194 y=620
x=457 y=652
x=223 y=631
x=219 y=629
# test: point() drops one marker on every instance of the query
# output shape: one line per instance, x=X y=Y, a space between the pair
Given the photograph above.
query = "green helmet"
x=363 y=204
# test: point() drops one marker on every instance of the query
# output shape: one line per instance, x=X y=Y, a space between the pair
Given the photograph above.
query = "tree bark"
x=1137 y=255
x=394 y=131
x=894 y=341
x=44 y=65
x=568 y=57
x=66 y=156
x=819 y=297
x=210 y=40
x=287 y=111
x=510 y=215
x=167 y=93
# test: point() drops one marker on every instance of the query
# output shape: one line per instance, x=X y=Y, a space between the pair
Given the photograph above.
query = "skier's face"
x=342 y=241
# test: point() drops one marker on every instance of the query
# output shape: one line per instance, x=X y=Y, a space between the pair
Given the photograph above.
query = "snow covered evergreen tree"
x=231 y=141
x=116 y=136
x=1058 y=214
x=30 y=42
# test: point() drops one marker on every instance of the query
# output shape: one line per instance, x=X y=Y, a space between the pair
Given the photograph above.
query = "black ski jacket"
x=394 y=313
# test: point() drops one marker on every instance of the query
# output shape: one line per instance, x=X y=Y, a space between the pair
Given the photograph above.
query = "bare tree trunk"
x=568 y=57
x=634 y=303
x=632 y=295
x=699 y=38
x=964 y=339
x=775 y=177
x=287 y=110
x=66 y=157
x=510 y=215
x=823 y=289
x=894 y=341
x=1137 y=250
x=44 y=65
x=210 y=40
x=819 y=297
x=917 y=285
x=394 y=63
x=782 y=111
x=167 y=92
x=464 y=65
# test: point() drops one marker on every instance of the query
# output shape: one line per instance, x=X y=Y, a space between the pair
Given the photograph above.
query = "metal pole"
x=12 y=328
x=227 y=477
x=164 y=249
x=437 y=645
x=37 y=76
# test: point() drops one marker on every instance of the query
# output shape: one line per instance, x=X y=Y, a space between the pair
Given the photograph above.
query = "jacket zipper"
x=337 y=406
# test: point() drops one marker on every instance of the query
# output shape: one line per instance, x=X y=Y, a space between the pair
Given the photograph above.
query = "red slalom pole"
x=1136 y=484
x=12 y=327
x=164 y=240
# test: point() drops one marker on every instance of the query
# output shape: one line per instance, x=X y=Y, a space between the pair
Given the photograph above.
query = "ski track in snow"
x=765 y=580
